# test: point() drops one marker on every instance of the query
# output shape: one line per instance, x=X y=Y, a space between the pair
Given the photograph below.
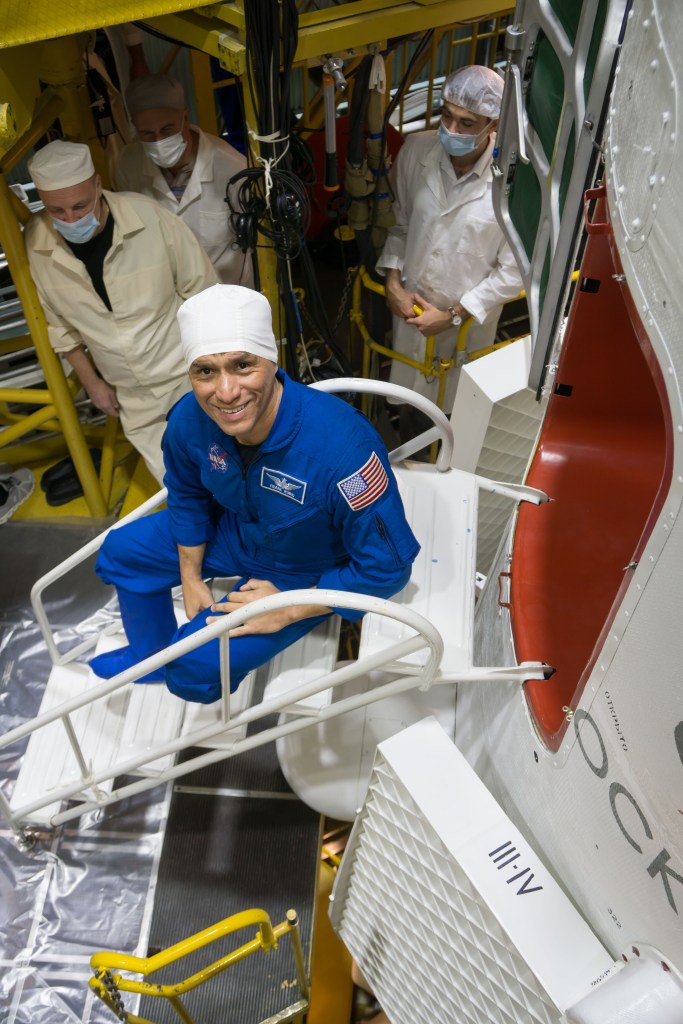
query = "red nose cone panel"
x=604 y=458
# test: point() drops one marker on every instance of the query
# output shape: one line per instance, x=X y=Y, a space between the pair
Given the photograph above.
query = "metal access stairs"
x=95 y=742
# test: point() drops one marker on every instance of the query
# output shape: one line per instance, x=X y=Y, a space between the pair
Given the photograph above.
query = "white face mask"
x=166 y=152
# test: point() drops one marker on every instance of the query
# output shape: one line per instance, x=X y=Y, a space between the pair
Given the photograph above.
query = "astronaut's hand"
x=254 y=590
x=103 y=396
x=196 y=597
x=432 y=320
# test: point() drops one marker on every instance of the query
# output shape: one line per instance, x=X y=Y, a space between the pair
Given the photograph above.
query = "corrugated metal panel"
x=508 y=444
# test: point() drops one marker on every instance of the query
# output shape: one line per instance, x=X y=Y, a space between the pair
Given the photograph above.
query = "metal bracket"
x=233 y=54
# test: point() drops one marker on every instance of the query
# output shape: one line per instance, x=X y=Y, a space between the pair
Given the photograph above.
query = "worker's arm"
x=433 y=320
x=504 y=282
x=399 y=300
x=100 y=393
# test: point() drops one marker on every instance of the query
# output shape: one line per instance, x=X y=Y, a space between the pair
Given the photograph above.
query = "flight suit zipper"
x=384 y=534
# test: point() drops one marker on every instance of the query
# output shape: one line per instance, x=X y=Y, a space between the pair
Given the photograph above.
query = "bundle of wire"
x=272 y=202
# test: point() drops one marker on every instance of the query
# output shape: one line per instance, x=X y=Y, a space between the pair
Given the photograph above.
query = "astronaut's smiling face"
x=239 y=391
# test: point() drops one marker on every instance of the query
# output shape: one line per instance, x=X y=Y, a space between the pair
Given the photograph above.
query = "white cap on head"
x=476 y=88
x=61 y=164
x=226 y=318
x=154 y=92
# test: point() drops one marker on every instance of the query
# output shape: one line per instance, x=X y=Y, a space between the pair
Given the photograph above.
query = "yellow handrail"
x=431 y=367
x=108 y=986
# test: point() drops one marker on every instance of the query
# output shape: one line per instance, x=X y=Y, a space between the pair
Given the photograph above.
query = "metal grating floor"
x=231 y=845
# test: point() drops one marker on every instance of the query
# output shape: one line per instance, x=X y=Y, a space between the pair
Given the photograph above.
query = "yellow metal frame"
x=431 y=367
x=107 y=985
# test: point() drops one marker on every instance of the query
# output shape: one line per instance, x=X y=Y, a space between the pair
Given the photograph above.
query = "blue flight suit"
x=317 y=506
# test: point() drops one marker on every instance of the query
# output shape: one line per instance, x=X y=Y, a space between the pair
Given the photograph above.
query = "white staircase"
x=90 y=733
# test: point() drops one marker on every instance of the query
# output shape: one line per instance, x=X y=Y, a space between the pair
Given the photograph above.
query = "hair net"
x=475 y=88
x=154 y=92
x=61 y=164
x=226 y=318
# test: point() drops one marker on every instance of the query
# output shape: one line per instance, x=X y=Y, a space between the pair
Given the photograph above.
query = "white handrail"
x=426 y=635
x=70 y=563
x=287 y=599
x=441 y=431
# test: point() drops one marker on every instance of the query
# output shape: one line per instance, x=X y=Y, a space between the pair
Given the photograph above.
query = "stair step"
x=123 y=725
x=311 y=657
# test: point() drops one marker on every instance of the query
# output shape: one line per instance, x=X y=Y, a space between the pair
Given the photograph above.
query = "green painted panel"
x=569 y=14
x=525 y=205
x=543 y=283
x=567 y=168
x=545 y=96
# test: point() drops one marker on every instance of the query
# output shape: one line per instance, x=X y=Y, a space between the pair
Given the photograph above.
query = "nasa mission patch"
x=218 y=459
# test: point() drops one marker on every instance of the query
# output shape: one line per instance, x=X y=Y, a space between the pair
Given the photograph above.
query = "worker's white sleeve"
x=503 y=283
x=62 y=337
x=121 y=181
x=393 y=254
x=192 y=268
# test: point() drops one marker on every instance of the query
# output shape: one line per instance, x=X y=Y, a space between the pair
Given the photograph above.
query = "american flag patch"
x=366 y=484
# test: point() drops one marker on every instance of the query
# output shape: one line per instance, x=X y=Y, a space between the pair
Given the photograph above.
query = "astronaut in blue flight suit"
x=279 y=484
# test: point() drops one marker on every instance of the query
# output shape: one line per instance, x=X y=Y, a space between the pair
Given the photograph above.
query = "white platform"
x=442 y=511
x=328 y=766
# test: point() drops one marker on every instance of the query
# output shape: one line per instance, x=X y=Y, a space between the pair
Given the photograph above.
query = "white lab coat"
x=202 y=206
x=154 y=264
x=449 y=248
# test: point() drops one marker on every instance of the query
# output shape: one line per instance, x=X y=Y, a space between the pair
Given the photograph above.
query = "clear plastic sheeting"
x=77 y=890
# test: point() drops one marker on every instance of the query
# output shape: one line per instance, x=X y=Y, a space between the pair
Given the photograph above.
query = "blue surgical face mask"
x=457 y=143
x=81 y=230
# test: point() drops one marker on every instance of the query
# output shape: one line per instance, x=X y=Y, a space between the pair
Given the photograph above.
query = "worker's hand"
x=254 y=590
x=103 y=396
x=432 y=320
x=196 y=597
x=399 y=301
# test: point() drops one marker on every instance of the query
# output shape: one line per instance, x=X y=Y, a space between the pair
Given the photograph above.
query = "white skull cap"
x=61 y=164
x=154 y=92
x=475 y=88
x=226 y=318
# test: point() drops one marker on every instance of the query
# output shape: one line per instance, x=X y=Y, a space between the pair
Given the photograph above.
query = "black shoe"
x=63 y=484
x=66 y=468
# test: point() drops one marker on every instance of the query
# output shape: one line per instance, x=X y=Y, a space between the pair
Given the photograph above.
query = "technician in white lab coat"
x=446 y=252
x=184 y=169
x=111 y=272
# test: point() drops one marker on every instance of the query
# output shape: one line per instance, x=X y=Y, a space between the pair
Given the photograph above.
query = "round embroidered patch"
x=218 y=459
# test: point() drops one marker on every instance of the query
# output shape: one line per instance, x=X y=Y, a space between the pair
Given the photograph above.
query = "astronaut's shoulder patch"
x=218 y=458
x=283 y=483
x=366 y=484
